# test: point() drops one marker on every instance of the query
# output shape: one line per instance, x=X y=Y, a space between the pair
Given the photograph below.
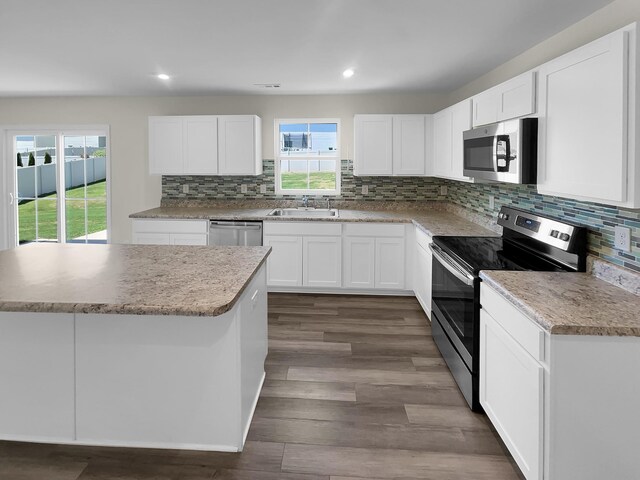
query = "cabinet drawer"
x=517 y=324
x=170 y=226
x=302 y=228
x=374 y=229
x=423 y=239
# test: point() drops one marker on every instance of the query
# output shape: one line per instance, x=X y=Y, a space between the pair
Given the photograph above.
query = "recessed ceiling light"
x=163 y=76
x=348 y=73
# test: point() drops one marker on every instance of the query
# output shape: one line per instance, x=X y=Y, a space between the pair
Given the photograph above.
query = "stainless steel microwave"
x=504 y=152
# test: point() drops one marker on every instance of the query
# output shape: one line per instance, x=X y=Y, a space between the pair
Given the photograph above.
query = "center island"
x=132 y=345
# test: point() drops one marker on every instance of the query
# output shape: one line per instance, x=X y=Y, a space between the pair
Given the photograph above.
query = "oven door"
x=454 y=302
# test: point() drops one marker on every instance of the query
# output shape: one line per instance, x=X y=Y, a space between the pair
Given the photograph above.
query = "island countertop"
x=126 y=279
x=569 y=303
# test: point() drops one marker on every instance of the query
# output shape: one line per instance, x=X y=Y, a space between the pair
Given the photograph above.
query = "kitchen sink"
x=304 y=212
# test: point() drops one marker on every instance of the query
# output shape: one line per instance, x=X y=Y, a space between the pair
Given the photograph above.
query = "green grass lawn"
x=317 y=180
x=96 y=209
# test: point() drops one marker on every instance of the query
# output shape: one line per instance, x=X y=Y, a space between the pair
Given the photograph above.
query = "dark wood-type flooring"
x=355 y=389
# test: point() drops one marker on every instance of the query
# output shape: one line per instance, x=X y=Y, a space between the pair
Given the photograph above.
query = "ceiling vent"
x=267 y=85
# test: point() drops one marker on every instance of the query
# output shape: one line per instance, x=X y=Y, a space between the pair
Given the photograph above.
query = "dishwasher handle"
x=234 y=227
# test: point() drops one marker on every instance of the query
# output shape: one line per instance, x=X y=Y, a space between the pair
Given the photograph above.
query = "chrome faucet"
x=305 y=201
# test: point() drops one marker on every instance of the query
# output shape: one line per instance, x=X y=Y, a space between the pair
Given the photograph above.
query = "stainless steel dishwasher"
x=224 y=232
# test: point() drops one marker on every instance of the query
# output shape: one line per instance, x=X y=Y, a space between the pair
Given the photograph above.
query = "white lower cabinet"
x=422 y=271
x=284 y=264
x=322 y=261
x=170 y=232
x=511 y=393
x=374 y=256
x=566 y=406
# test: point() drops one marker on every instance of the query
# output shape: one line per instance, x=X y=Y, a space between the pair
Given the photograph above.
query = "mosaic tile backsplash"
x=601 y=219
x=413 y=189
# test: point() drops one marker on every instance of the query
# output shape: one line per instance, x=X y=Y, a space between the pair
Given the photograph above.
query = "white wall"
x=612 y=17
x=132 y=189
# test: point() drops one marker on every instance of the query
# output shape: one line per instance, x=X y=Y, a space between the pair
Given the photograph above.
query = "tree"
x=20 y=160
x=47 y=158
x=32 y=160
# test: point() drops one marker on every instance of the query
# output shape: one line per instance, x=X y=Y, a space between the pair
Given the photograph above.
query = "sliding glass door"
x=61 y=186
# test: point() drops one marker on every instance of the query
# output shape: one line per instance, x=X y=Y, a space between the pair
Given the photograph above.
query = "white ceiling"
x=116 y=47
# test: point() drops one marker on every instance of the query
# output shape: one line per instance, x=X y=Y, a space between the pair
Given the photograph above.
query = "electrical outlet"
x=623 y=238
x=243 y=188
x=185 y=188
x=365 y=189
x=443 y=190
x=263 y=189
x=492 y=202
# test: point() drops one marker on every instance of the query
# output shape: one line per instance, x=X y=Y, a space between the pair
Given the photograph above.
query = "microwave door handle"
x=495 y=152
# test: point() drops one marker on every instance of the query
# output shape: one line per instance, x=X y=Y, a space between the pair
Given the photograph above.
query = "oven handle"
x=450 y=265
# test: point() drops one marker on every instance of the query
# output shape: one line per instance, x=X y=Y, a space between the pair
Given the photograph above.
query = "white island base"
x=180 y=382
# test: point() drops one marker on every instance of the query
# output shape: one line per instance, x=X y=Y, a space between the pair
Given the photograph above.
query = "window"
x=307 y=156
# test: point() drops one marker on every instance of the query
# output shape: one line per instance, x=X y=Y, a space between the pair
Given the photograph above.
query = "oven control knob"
x=554 y=233
x=564 y=237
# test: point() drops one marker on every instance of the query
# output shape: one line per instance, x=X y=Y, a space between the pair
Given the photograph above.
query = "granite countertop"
x=126 y=279
x=569 y=303
x=432 y=221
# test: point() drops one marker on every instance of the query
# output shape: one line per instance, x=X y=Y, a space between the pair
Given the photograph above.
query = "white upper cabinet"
x=392 y=145
x=166 y=146
x=373 y=145
x=588 y=105
x=513 y=98
x=448 y=126
x=205 y=145
x=200 y=145
x=240 y=145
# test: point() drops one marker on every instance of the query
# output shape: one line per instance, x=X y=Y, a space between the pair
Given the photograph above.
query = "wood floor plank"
x=401 y=395
x=36 y=468
x=110 y=469
x=394 y=463
x=276 y=372
x=254 y=475
x=279 y=333
x=311 y=390
x=420 y=331
x=442 y=415
x=309 y=346
x=377 y=362
x=335 y=411
x=372 y=377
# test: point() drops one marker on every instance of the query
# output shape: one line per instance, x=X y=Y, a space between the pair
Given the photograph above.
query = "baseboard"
x=340 y=291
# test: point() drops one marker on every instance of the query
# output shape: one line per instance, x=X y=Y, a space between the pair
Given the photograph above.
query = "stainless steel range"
x=529 y=242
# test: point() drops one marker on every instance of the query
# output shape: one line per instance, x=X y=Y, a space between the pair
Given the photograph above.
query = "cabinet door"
x=372 y=151
x=409 y=145
x=583 y=122
x=422 y=278
x=166 y=146
x=188 y=239
x=517 y=97
x=511 y=393
x=359 y=262
x=321 y=261
x=201 y=145
x=485 y=108
x=460 y=122
x=389 y=263
x=284 y=264
x=442 y=135
x=237 y=139
x=152 y=238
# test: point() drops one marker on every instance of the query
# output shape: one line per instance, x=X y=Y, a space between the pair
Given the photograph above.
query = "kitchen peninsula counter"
x=568 y=303
x=130 y=345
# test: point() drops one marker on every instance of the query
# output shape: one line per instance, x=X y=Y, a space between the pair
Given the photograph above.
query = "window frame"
x=306 y=157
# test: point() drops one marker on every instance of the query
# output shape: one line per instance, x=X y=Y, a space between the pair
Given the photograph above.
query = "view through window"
x=64 y=199
x=307 y=157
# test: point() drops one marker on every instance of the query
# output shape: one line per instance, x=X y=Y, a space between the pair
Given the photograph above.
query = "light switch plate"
x=623 y=238
x=492 y=202
x=185 y=188
x=243 y=189
x=365 y=189
x=443 y=190
x=263 y=189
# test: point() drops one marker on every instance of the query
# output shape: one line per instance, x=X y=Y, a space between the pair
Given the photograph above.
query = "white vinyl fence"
x=44 y=176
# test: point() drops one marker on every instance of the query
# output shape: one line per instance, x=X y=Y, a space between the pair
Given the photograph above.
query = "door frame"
x=8 y=187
